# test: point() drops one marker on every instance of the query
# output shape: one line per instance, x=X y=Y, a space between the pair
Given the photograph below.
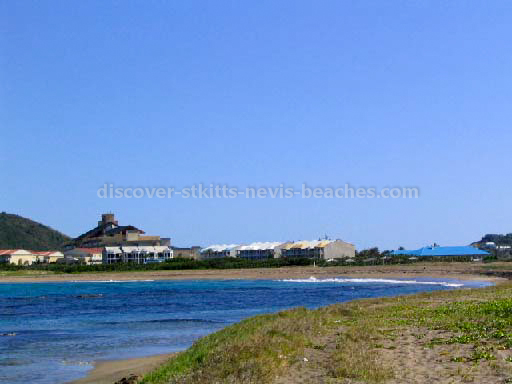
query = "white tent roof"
x=129 y=249
x=114 y=250
x=259 y=246
x=162 y=248
x=220 y=248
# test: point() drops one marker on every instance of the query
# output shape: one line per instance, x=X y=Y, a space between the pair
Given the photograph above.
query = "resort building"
x=49 y=257
x=26 y=257
x=137 y=254
x=18 y=257
x=437 y=251
x=219 y=251
x=86 y=256
x=318 y=249
x=258 y=251
x=110 y=243
x=109 y=233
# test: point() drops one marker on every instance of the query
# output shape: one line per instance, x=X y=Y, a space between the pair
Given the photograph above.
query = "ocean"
x=53 y=332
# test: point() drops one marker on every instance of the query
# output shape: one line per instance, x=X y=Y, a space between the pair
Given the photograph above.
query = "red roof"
x=91 y=250
x=9 y=251
x=43 y=253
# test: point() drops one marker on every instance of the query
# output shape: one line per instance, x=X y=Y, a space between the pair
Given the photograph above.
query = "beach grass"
x=464 y=335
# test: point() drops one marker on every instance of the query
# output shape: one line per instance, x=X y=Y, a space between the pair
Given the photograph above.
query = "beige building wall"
x=339 y=250
x=23 y=258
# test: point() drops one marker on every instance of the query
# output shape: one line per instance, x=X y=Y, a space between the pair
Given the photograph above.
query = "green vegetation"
x=498 y=239
x=187 y=264
x=173 y=264
x=468 y=334
x=20 y=232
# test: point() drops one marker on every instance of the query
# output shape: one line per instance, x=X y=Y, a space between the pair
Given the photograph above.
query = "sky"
x=260 y=93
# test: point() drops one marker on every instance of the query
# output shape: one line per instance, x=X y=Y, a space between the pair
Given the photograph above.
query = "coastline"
x=112 y=371
x=462 y=271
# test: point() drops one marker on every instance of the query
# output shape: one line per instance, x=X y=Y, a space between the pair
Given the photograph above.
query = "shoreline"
x=111 y=371
x=461 y=271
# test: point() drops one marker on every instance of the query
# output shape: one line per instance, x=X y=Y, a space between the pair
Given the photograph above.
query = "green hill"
x=20 y=232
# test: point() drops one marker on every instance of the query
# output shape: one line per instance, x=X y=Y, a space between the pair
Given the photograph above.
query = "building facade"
x=88 y=256
x=318 y=249
x=143 y=254
x=219 y=251
x=109 y=233
x=186 y=253
x=26 y=257
x=259 y=251
x=49 y=257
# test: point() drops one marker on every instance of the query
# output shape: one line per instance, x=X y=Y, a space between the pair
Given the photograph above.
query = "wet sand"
x=109 y=372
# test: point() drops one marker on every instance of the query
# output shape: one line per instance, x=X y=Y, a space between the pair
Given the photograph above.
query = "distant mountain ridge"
x=19 y=232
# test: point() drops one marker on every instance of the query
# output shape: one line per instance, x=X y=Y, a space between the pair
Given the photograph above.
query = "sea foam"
x=313 y=279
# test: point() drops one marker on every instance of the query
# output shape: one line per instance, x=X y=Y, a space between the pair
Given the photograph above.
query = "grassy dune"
x=444 y=336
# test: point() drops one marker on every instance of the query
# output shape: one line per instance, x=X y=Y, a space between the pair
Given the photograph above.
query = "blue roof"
x=442 y=251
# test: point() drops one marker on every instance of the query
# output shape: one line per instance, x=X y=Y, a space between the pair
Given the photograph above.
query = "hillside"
x=20 y=232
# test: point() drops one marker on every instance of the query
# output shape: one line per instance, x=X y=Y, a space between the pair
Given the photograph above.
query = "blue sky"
x=260 y=93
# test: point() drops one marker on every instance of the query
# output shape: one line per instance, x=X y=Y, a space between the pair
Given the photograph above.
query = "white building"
x=258 y=251
x=49 y=257
x=219 y=251
x=137 y=254
x=84 y=256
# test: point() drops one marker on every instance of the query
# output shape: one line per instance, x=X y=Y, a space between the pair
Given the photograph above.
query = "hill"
x=497 y=238
x=20 y=232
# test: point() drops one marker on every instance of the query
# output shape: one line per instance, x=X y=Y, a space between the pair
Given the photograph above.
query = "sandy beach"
x=466 y=271
x=108 y=372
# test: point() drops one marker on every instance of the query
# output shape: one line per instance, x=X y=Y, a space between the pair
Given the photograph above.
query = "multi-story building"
x=258 y=251
x=137 y=254
x=318 y=249
x=186 y=253
x=26 y=257
x=110 y=242
x=18 y=257
x=109 y=233
x=49 y=257
x=84 y=256
x=219 y=251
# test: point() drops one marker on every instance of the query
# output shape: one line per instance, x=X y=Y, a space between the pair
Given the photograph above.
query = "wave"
x=313 y=279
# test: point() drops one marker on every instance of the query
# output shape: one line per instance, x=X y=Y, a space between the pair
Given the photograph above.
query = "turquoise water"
x=62 y=328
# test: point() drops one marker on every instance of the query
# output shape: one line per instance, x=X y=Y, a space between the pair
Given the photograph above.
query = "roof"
x=308 y=244
x=220 y=248
x=442 y=251
x=14 y=251
x=113 y=250
x=47 y=253
x=259 y=246
x=91 y=250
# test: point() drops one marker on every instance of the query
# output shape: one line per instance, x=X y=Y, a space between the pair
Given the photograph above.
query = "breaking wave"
x=313 y=279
